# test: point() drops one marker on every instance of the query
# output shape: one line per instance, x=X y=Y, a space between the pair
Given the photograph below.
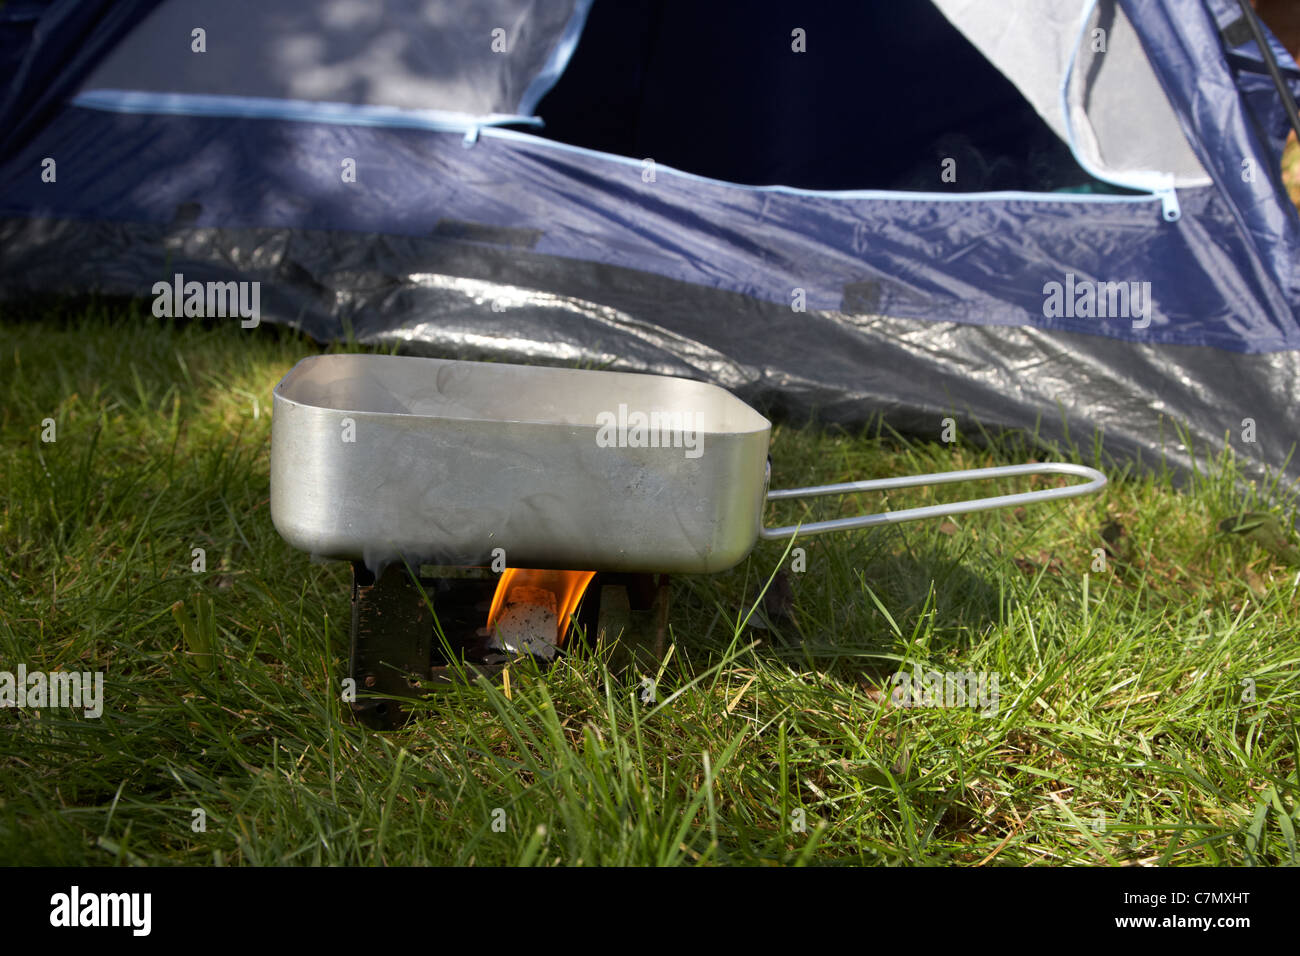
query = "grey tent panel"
x=393 y=53
x=1120 y=115
x=1119 y=120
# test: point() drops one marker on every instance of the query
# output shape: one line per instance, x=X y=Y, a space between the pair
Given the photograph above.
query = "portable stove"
x=411 y=634
x=395 y=462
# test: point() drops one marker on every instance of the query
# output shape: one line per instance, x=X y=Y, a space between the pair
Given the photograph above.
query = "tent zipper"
x=1169 y=207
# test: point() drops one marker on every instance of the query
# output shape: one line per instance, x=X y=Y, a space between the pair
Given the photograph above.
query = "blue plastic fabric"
x=1219 y=277
x=51 y=45
x=1232 y=114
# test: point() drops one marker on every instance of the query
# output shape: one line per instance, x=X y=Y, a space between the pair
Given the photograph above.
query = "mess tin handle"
x=1096 y=482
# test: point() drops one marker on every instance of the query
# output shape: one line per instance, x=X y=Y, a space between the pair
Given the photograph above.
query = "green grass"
x=1291 y=169
x=1121 y=694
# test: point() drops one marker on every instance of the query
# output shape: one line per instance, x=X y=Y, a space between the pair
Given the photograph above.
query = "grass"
x=1291 y=169
x=1123 y=732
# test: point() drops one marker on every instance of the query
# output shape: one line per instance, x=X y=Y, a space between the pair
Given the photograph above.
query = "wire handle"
x=1096 y=482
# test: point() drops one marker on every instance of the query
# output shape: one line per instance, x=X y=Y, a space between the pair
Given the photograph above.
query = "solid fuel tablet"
x=529 y=623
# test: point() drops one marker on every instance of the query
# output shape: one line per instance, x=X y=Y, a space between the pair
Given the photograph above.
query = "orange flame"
x=567 y=586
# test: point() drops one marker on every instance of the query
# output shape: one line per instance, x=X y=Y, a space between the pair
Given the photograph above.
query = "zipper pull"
x=1169 y=207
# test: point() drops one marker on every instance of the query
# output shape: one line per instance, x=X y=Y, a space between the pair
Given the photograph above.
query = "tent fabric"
x=846 y=303
x=1117 y=113
x=706 y=91
x=874 y=253
x=49 y=46
x=379 y=53
x=1112 y=108
x=1232 y=134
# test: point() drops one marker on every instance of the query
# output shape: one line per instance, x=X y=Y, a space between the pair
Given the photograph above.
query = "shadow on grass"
x=859 y=612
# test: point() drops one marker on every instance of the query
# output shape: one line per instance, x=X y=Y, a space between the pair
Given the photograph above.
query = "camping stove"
x=413 y=634
x=470 y=462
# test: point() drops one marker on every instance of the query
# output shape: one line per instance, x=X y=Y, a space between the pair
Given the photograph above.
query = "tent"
x=1055 y=213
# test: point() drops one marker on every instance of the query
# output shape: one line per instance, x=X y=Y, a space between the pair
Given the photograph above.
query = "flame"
x=567 y=586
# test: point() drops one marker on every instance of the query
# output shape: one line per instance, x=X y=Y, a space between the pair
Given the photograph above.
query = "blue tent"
x=1057 y=212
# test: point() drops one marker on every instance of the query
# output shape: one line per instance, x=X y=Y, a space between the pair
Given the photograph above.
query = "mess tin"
x=379 y=458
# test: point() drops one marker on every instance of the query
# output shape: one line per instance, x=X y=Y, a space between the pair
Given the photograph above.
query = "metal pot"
x=382 y=458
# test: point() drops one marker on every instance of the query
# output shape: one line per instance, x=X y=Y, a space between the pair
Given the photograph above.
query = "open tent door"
x=950 y=96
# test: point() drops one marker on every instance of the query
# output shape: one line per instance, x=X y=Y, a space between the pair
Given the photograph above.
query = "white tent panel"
x=1120 y=115
x=408 y=54
x=1119 y=121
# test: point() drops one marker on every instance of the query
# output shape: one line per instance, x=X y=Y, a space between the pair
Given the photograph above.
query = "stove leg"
x=633 y=610
x=392 y=630
x=660 y=646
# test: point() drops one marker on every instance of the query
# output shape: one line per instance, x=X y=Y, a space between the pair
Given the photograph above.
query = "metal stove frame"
x=412 y=635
